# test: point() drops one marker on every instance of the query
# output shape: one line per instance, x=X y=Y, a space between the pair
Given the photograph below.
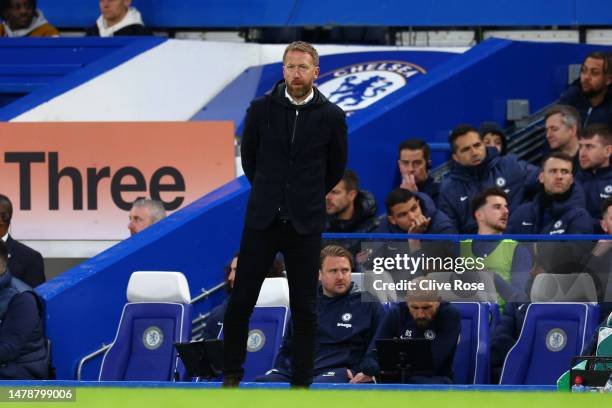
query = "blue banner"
x=354 y=81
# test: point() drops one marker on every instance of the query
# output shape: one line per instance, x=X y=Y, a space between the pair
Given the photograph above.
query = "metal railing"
x=90 y=356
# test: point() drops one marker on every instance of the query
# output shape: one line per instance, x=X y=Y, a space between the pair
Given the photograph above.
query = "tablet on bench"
x=399 y=359
x=202 y=359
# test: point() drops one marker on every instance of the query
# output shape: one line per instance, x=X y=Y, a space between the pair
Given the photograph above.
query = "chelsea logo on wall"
x=358 y=86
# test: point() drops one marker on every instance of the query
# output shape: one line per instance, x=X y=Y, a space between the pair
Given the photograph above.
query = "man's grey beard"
x=303 y=91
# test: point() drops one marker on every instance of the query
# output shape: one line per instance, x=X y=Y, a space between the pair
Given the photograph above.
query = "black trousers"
x=257 y=251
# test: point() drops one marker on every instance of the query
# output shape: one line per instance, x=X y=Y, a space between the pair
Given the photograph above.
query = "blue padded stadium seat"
x=266 y=327
x=551 y=335
x=471 y=362
x=157 y=314
x=494 y=315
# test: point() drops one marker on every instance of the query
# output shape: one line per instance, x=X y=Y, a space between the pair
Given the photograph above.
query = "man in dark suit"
x=24 y=263
x=294 y=151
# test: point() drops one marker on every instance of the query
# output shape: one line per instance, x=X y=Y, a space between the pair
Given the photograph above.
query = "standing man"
x=25 y=263
x=294 y=151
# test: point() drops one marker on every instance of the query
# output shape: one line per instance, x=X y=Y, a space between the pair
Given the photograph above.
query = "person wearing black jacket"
x=595 y=174
x=294 y=151
x=118 y=19
x=350 y=210
x=422 y=316
x=23 y=350
x=25 y=263
x=590 y=94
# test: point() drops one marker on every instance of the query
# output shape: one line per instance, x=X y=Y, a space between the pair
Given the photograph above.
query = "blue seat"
x=551 y=335
x=494 y=315
x=157 y=315
x=471 y=362
x=266 y=327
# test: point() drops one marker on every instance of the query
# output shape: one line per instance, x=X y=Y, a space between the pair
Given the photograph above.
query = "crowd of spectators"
x=22 y=18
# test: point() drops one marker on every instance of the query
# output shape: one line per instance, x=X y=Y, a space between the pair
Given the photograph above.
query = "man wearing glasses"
x=294 y=151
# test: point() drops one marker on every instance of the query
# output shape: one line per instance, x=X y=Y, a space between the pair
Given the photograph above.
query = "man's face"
x=494 y=214
x=556 y=176
x=557 y=133
x=593 y=78
x=339 y=199
x=423 y=313
x=140 y=218
x=335 y=275
x=593 y=154
x=19 y=14
x=299 y=72
x=4 y=227
x=232 y=275
x=606 y=221
x=404 y=214
x=413 y=163
x=493 y=140
x=114 y=10
x=469 y=149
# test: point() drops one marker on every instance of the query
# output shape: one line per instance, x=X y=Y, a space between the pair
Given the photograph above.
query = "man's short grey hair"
x=156 y=208
x=569 y=115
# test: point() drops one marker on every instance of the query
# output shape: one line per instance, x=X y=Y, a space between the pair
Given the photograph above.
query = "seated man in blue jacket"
x=411 y=213
x=559 y=206
x=347 y=322
x=23 y=350
x=595 y=174
x=476 y=168
x=422 y=316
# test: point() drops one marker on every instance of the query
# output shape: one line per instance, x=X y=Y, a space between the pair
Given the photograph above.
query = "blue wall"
x=232 y=102
x=253 y=13
x=84 y=304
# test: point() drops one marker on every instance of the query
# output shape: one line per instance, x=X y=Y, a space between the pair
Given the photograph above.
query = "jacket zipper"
x=588 y=116
x=297 y=112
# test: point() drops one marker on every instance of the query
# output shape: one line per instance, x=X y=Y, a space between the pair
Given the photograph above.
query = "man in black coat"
x=24 y=263
x=118 y=18
x=591 y=94
x=294 y=151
